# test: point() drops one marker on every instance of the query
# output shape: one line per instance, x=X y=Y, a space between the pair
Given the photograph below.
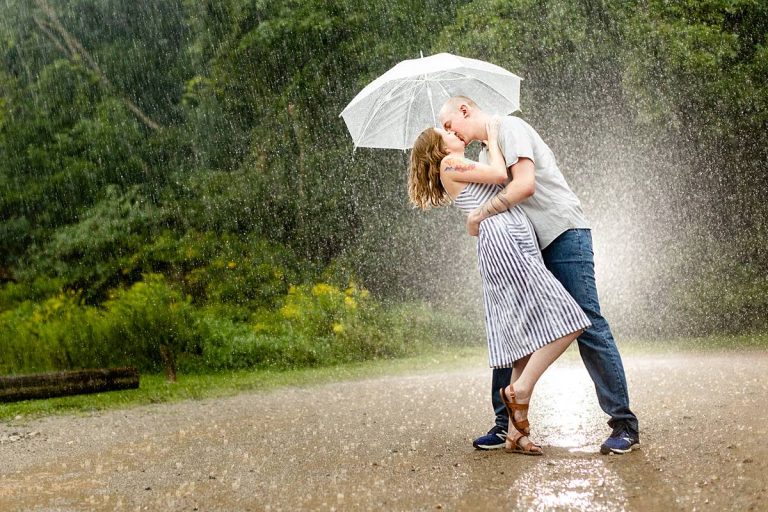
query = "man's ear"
x=464 y=110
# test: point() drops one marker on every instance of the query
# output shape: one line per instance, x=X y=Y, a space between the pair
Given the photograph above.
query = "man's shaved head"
x=455 y=102
x=462 y=116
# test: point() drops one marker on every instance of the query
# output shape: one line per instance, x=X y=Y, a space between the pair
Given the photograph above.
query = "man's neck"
x=482 y=121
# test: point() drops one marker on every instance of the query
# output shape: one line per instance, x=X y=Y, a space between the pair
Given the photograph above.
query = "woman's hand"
x=473 y=222
x=495 y=157
x=492 y=129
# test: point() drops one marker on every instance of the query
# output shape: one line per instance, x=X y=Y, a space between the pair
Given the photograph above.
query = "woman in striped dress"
x=530 y=318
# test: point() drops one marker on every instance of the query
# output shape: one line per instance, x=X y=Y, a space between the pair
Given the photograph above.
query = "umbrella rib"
x=408 y=110
x=374 y=108
x=432 y=79
x=380 y=102
x=432 y=106
x=444 y=89
x=497 y=93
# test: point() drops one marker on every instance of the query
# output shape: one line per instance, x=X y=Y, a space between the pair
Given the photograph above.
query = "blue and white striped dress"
x=526 y=307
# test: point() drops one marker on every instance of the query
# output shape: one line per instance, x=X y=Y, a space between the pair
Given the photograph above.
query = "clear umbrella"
x=393 y=109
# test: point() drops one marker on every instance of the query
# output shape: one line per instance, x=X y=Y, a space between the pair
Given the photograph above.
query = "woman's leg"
x=537 y=364
x=527 y=371
x=518 y=367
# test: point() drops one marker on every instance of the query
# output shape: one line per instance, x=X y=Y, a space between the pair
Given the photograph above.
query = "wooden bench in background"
x=47 y=385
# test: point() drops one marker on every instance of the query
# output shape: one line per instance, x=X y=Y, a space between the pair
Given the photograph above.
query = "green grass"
x=154 y=388
x=756 y=341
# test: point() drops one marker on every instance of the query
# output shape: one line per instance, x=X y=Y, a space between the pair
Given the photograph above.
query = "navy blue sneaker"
x=493 y=440
x=621 y=441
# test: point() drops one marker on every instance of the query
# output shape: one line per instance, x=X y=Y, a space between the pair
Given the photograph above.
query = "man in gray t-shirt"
x=553 y=208
x=565 y=241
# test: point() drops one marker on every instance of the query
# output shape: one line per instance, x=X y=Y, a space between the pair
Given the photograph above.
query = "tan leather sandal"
x=529 y=448
x=522 y=426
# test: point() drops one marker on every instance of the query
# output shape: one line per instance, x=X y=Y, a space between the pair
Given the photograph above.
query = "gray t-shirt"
x=553 y=208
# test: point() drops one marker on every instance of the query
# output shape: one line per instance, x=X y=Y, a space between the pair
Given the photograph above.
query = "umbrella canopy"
x=393 y=109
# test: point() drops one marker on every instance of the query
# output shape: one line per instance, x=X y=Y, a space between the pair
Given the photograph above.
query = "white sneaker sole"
x=616 y=451
x=489 y=446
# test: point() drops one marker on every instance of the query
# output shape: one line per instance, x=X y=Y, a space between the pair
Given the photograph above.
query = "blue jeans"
x=571 y=260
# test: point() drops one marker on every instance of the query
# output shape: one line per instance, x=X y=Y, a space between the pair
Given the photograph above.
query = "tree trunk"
x=48 y=385
x=53 y=28
x=298 y=135
x=169 y=362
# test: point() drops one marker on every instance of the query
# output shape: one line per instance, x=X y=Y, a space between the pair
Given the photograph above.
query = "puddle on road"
x=573 y=477
x=567 y=484
x=565 y=413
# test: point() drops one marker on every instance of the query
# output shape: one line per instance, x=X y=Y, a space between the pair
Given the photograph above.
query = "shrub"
x=323 y=324
x=151 y=323
x=57 y=333
x=146 y=325
x=229 y=269
x=13 y=294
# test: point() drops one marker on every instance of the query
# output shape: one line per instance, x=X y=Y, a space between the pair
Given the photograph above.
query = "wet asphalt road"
x=404 y=443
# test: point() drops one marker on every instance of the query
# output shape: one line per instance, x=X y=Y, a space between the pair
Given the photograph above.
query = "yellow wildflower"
x=289 y=311
x=350 y=302
x=231 y=264
x=338 y=328
x=323 y=289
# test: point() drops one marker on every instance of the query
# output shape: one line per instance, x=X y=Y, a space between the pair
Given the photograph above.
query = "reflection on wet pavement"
x=404 y=443
x=568 y=484
x=564 y=409
x=565 y=418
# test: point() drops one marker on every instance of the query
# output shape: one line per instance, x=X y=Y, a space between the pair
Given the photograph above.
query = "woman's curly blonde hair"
x=424 y=187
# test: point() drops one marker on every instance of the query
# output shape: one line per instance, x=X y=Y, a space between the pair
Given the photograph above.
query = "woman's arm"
x=468 y=171
x=495 y=156
x=522 y=186
x=465 y=170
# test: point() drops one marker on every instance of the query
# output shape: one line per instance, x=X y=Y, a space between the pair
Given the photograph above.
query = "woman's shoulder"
x=456 y=163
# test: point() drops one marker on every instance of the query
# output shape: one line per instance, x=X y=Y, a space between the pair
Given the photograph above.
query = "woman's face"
x=451 y=141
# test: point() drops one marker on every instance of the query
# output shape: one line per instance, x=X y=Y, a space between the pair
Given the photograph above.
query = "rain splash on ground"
x=404 y=443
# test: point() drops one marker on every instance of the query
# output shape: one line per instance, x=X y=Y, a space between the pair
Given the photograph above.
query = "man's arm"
x=522 y=186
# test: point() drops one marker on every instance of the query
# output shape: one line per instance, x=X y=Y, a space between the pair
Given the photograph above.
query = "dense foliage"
x=173 y=173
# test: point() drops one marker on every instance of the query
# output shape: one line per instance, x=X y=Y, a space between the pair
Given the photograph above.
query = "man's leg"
x=501 y=379
x=571 y=259
x=496 y=437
